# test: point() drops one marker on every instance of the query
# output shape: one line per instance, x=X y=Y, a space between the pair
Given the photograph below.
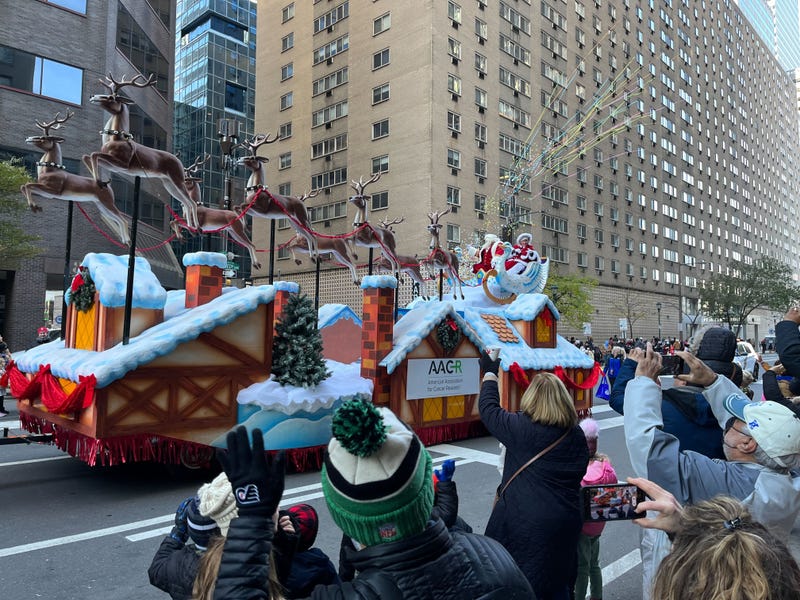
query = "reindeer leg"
x=182 y=196
x=28 y=190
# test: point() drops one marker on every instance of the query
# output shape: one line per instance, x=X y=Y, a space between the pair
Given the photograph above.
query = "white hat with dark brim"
x=774 y=426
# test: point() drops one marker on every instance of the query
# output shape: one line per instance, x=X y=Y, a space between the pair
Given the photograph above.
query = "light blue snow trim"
x=527 y=306
x=378 y=281
x=331 y=313
x=207 y=259
x=159 y=340
x=287 y=286
x=415 y=326
x=110 y=276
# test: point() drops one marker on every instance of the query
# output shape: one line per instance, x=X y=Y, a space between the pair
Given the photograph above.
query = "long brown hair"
x=206 y=579
x=720 y=553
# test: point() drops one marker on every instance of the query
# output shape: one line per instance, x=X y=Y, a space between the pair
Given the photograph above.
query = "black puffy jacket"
x=174 y=568
x=432 y=565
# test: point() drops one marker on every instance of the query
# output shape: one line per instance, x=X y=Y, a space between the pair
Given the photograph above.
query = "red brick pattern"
x=377 y=336
x=280 y=302
x=203 y=284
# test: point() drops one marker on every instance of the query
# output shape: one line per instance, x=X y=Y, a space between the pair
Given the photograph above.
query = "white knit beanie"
x=217 y=502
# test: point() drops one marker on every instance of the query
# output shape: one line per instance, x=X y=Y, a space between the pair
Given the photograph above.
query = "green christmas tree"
x=297 y=351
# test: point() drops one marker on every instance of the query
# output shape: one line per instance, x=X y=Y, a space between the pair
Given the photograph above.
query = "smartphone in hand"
x=611 y=502
x=671 y=364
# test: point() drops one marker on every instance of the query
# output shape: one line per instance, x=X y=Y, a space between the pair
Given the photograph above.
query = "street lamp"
x=228 y=134
x=658 y=309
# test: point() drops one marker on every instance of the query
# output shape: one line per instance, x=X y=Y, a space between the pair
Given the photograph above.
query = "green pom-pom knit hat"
x=377 y=476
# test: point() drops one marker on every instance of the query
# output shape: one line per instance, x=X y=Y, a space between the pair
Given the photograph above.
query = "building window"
x=454 y=84
x=481 y=64
x=41 y=76
x=381 y=24
x=380 y=200
x=287 y=71
x=287 y=42
x=332 y=17
x=78 y=6
x=454 y=48
x=330 y=81
x=480 y=168
x=329 y=178
x=380 y=93
x=481 y=30
x=453 y=158
x=453 y=195
x=582 y=260
x=285 y=130
x=329 y=114
x=285 y=189
x=454 y=121
x=380 y=129
x=234 y=97
x=329 y=146
x=380 y=59
x=380 y=164
x=135 y=44
x=287 y=12
x=453 y=234
x=481 y=134
x=287 y=100
x=481 y=98
x=454 y=12
x=480 y=203
x=285 y=161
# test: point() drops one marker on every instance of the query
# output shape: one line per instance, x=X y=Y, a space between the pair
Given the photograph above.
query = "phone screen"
x=613 y=502
x=671 y=364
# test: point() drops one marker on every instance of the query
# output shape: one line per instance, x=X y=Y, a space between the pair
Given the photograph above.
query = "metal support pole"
x=316 y=284
x=441 y=284
x=271 y=251
x=369 y=266
x=126 y=324
x=67 y=278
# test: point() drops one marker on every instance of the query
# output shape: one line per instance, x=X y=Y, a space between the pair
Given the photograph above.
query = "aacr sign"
x=435 y=377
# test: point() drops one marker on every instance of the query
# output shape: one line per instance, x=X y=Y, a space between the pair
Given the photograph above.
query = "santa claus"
x=522 y=254
x=492 y=247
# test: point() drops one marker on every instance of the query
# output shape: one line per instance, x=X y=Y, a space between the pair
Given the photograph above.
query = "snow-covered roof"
x=329 y=314
x=180 y=325
x=110 y=276
x=207 y=259
x=418 y=323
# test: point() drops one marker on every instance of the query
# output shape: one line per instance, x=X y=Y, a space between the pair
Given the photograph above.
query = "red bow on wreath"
x=77 y=282
x=452 y=323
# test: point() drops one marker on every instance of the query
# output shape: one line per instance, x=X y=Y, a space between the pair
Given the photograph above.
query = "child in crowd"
x=310 y=566
x=598 y=471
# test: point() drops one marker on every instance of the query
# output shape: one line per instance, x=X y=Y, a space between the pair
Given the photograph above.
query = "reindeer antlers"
x=198 y=162
x=434 y=216
x=139 y=81
x=388 y=224
x=306 y=195
x=55 y=123
x=360 y=185
x=258 y=141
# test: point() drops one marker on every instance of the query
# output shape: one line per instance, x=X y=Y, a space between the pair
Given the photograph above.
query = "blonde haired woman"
x=538 y=514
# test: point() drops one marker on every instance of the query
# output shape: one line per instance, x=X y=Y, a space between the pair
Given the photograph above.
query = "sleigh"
x=504 y=287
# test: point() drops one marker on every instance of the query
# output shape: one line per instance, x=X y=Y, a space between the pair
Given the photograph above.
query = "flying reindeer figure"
x=54 y=182
x=409 y=265
x=269 y=205
x=338 y=248
x=120 y=154
x=369 y=236
x=439 y=259
x=213 y=219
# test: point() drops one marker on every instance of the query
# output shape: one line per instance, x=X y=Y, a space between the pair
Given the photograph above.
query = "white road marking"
x=621 y=566
x=33 y=460
x=11 y=424
x=598 y=409
x=609 y=423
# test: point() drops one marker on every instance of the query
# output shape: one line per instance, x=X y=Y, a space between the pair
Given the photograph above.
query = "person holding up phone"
x=599 y=471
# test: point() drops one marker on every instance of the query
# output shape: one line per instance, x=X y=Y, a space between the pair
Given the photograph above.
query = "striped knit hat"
x=377 y=475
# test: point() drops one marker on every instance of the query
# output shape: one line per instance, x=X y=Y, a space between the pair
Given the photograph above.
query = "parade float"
x=144 y=374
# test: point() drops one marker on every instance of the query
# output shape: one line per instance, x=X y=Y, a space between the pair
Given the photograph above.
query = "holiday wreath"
x=448 y=334
x=81 y=291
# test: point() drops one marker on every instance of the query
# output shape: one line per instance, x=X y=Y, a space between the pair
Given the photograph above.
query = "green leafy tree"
x=15 y=243
x=571 y=294
x=730 y=297
x=297 y=351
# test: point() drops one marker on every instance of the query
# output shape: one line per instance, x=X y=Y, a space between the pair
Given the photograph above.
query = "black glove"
x=257 y=480
x=488 y=365
x=180 y=532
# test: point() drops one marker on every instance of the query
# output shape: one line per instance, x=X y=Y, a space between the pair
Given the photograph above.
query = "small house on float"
x=425 y=367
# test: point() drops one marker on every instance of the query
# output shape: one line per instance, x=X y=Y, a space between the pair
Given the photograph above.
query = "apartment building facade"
x=52 y=54
x=645 y=144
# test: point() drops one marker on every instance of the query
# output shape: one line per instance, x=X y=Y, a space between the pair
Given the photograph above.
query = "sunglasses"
x=729 y=425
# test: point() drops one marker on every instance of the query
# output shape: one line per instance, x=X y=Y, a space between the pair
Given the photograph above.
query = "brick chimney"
x=282 y=291
x=377 y=333
x=203 y=277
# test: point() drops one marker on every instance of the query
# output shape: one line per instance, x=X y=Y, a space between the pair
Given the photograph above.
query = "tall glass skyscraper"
x=778 y=24
x=215 y=46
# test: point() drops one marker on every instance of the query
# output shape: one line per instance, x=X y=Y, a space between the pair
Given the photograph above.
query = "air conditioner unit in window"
x=454 y=134
x=480 y=216
x=481 y=145
x=329 y=93
x=481 y=180
x=327 y=158
x=327 y=191
x=327 y=224
x=329 y=61
x=455 y=208
x=454 y=171
x=454 y=97
x=454 y=24
x=481 y=75
x=454 y=60
x=481 y=109
x=328 y=125
x=330 y=29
